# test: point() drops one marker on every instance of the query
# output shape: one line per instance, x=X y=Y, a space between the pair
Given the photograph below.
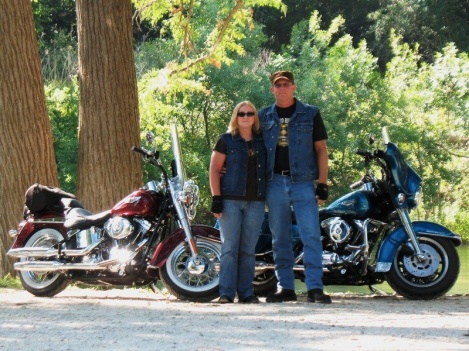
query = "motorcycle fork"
x=409 y=229
x=184 y=222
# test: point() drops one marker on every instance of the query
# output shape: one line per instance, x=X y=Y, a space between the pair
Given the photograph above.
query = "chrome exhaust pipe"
x=29 y=252
x=32 y=252
x=53 y=266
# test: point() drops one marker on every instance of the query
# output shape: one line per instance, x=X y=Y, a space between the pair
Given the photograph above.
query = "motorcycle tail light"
x=14 y=232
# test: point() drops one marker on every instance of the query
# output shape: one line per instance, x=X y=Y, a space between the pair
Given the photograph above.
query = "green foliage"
x=208 y=32
x=62 y=103
x=53 y=17
x=10 y=282
x=431 y=24
x=59 y=57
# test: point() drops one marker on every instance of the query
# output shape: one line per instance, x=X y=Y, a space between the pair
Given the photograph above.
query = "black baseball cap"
x=282 y=75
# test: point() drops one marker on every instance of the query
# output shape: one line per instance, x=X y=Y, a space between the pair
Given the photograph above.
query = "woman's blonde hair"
x=233 y=126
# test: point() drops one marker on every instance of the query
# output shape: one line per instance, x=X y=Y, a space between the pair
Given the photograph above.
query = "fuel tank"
x=141 y=203
x=357 y=204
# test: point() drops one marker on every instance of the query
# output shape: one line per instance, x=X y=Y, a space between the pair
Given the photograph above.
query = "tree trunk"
x=26 y=143
x=109 y=119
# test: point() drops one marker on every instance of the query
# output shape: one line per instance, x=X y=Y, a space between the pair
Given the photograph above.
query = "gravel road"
x=138 y=319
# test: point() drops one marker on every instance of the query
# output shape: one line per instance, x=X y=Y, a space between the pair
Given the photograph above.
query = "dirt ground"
x=138 y=319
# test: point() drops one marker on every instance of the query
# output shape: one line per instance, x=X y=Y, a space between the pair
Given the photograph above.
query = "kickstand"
x=156 y=289
x=377 y=291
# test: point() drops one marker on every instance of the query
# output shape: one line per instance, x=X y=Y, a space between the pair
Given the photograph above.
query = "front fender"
x=165 y=248
x=393 y=240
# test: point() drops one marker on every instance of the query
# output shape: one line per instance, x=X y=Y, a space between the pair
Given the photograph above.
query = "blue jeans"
x=240 y=226
x=281 y=194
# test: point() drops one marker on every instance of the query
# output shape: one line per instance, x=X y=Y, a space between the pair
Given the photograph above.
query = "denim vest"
x=303 y=158
x=234 y=181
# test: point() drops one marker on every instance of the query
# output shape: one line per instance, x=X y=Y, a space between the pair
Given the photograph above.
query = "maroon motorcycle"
x=145 y=237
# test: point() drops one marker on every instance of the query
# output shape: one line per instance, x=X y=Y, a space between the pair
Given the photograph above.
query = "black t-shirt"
x=282 y=159
x=251 y=185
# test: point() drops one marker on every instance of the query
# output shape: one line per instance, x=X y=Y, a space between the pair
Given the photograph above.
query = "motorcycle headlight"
x=190 y=197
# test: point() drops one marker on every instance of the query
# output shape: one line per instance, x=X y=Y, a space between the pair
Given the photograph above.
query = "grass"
x=10 y=282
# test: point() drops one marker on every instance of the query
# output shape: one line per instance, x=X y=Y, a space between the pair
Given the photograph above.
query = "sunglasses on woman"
x=246 y=114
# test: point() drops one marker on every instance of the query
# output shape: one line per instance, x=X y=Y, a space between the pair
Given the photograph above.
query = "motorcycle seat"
x=79 y=218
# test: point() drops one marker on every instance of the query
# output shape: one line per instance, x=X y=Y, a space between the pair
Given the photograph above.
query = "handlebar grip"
x=379 y=153
x=140 y=151
x=362 y=153
x=356 y=185
x=147 y=155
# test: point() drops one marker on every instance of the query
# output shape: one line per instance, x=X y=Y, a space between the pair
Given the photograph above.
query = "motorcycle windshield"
x=405 y=178
x=181 y=174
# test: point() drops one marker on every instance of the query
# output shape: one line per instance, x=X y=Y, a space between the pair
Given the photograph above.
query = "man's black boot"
x=317 y=295
x=281 y=295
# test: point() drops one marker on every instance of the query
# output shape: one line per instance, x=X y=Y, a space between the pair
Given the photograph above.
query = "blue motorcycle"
x=368 y=236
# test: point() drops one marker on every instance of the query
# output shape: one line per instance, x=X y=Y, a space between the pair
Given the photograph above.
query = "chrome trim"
x=48 y=220
x=383 y=267
x=407 y=224
x=49 y=252
x=51 y=266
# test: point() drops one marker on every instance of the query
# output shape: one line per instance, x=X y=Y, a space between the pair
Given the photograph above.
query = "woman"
x=238 y=201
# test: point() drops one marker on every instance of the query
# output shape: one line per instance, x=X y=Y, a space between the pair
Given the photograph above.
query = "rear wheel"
x=427 y=279
x=193 y=279
x=43 y=284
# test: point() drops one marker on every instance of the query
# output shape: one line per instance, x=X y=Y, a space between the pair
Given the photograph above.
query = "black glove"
x=217 y=204
x=322 y=191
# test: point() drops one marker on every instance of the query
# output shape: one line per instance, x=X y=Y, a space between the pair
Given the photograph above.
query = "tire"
x=43 y=284
x=199 y=283
x=426 y=280
x=265 y=283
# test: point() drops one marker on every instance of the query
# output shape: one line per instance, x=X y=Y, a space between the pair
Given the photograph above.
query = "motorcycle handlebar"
x=364 y=153
x=369 y=155
x=145 y=153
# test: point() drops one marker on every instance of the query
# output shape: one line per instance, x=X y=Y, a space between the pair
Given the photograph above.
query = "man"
x=295 y=139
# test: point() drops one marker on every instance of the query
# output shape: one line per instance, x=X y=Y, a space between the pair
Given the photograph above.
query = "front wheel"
x=427 y=279
x=193 y=279
x=43 y=284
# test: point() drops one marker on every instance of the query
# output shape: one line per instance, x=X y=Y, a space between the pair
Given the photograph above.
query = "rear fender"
x=165 y=248
x=32 y=224
x=393 y=240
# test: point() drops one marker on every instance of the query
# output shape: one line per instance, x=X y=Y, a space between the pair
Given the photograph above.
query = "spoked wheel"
x=43 y=284
x=193 y=279
x=429 y=278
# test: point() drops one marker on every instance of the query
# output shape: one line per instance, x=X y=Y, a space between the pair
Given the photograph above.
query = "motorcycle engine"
x=87 y=237
x=118 y=227
x=337 y=229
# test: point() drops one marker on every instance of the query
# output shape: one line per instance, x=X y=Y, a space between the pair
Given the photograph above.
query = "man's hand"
x=217 y=206
x=322 y=193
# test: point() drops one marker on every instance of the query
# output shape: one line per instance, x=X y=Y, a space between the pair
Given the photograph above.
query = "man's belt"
x=284 y=173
